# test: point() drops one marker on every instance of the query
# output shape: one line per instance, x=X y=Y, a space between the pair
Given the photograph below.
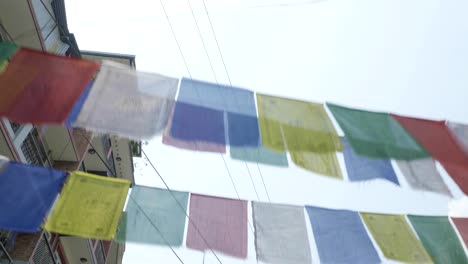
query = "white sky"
x=408 y=57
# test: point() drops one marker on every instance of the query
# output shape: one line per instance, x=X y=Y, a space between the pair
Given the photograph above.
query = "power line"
x=264 y=185
x=180 y=205
x=203 y=41
x=217 y=43
x=251 y=179
x=175 y=38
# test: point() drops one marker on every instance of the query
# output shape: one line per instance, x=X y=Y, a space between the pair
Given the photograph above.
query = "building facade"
x=42 y=25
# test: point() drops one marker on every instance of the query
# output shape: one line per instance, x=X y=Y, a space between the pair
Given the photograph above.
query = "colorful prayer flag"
x=376 y=134
x=423 y=175
x=260 y=155
x=436 y=137
x=42 y=88
x=167 y=139
x=153 y=216
x=294 y=125
x=361 y=168
x=218 y=224
x=197 y=124
x=280 y=234
x=236 y=105
x=89 y=206
x=341 y=236
x=439 y=238
x=128 y=103
x=395 y=238
x=325 y=163
x=28 y=193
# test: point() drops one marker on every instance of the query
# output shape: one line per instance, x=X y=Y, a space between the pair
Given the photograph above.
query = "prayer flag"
x=376 y=135
x=167 y=139
x=361 y=168
x=153 y=216
x=341 y=236
x=236 y=104
x=197 y=124
x=395 y=238
x=281 y=234
x=439 y=239
x=42 y=88
x=28 y=193
x=459 y=173
x=462 y=227
x=89 y=206
x=259 y=155
x=436 y=137
x=294 y=125
x=219 y=224
x=325 y=163
x=128 y=103
x=423 y=175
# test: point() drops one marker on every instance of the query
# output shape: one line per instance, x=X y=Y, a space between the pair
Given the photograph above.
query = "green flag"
x=376 y=134
x=439 y=238
x=154 y=217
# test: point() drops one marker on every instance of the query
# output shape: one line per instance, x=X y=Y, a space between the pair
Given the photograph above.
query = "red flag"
x=42 y=88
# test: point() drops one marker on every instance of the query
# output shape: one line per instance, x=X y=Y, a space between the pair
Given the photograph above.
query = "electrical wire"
x=180 y=205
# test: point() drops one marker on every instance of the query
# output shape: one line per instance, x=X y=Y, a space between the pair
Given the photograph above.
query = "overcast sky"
x=407 y=57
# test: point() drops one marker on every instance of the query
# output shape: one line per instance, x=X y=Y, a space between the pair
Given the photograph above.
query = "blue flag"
x=361 y=168
x=341 y=237
x=28 y=193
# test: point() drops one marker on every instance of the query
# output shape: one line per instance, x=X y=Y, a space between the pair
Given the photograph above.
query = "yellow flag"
x=294 y=125
x=325 y=163
x=395 y=238
x=89 y=206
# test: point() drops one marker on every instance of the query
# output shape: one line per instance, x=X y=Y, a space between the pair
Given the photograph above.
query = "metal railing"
x=43 y=253
x=34 y=150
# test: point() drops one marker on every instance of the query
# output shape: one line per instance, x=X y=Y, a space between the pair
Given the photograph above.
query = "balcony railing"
x=34 y=150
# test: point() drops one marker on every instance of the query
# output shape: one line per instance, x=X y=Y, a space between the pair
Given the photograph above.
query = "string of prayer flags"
x=439 y=238
x=3 y=66
x=89 y=206
x=7 y=50
x=260 y=155
x=361 y=168
x=325 y=163
x=462 y=227
x=42 y=88
x=150 y=207
x=233 y=107
x=341 y=237
x=460 y=131
x=423 y=175
x=395 y=238
x=28 y=193
x=128 y=103
x=280 y=234
x=294 y=125
x=376 y=135
x=222 y=223
x=436 y=137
